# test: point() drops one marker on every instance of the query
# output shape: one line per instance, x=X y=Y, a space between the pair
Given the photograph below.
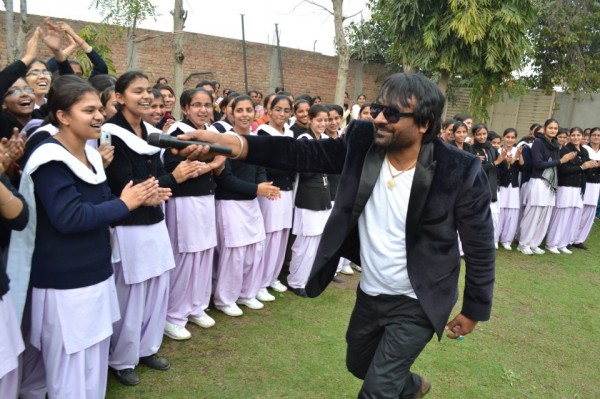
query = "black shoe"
x=127 y=377
x=301 y=292
x=155 y=362
x=337 y=279
x=580 y=246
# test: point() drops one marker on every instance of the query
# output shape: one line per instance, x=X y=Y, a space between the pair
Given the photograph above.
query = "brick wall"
x=304 y=71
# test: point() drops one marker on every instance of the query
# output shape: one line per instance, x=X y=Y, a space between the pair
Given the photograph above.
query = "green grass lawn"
x=543 y=341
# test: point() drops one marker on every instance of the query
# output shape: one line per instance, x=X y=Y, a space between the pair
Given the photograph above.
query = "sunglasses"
x=392 y=114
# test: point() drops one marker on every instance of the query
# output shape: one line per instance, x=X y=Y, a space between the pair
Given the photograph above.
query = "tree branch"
x=317 y=5
x=353 y=15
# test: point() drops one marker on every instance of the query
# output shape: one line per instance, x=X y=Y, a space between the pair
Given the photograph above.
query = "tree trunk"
x=342 y=48
x=443 y=86
x=10 y=31
x=23 y=30
x=179 y=16
x=132 y=46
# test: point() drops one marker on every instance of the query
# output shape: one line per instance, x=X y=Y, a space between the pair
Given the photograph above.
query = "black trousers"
x=385 y=336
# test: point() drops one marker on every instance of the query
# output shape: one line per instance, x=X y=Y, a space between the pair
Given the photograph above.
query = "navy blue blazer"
x=450 y=193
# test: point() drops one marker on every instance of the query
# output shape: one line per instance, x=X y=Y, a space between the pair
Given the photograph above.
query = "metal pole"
x=245 y=62
x=279 y=56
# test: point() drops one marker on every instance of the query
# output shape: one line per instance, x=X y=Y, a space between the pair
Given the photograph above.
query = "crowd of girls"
x=116 y=243
x=543 y=187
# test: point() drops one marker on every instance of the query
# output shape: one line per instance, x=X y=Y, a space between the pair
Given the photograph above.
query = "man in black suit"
x=402 y=197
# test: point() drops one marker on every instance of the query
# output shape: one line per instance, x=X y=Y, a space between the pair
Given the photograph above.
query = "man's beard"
x=392 y=141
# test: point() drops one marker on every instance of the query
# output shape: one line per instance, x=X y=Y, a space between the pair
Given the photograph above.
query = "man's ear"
x=423 y=128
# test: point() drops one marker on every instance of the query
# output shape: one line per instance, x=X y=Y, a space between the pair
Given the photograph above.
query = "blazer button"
x=149 y=161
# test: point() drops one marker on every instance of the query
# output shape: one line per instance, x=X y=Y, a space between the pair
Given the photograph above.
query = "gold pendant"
x=391 y=184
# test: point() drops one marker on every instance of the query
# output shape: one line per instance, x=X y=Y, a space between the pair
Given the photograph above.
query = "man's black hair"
x=426 y=99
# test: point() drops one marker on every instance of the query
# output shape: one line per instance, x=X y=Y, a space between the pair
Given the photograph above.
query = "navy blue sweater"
x=6 y=225
x=72 y=243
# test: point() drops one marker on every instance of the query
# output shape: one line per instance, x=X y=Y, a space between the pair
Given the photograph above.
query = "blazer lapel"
x=418 y=193
x=368 y=178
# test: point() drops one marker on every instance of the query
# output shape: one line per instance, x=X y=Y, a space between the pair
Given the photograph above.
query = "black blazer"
x=450 y=193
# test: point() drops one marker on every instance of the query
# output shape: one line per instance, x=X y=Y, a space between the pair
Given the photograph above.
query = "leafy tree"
x=566 y=41
x=483 y=39
x=367 y=42
x=126 y=13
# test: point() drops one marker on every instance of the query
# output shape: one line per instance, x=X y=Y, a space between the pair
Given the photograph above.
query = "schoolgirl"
x=489 y=160
x=542 y=187
x=459 y=130
x=225 y=124
x=169 y=98
x=157 y=111
x=301 y=113
x=277 y=215
x=240 y=224
x=67 y=246
x=566 y=215
x=14 y=215
x=562 y=138
x=509 y=200
x=333 y=132
x=592 y=191
x=192 y=207
x=447 y=133
x=365 y=112
x=312 y=208
x=360 y=101
x=17 y=99
x=142 y=255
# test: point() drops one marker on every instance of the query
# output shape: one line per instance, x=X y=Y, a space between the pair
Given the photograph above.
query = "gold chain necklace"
x=391 y=183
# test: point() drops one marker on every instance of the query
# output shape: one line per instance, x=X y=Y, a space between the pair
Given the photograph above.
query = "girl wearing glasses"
x=277 y=215
x=191 y=207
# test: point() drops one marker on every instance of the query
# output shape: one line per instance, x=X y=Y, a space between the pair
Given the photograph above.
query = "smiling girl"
x=238 y=274
x=312 y=208
x=508 y=193
x=546 y=158
x=566 y=215
x=277 y=215
x=73 y=300
x=192 y=205
x=142 y=254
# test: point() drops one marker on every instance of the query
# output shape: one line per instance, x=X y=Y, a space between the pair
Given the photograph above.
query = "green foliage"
x=99 y=37
x=367 y=42
x=483 y=40
x=566 y=39
x=126 y=13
